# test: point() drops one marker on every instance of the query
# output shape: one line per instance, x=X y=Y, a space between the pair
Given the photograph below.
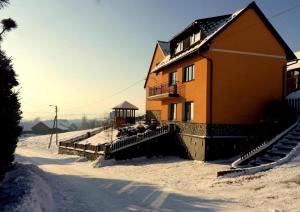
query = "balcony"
x=162 y=91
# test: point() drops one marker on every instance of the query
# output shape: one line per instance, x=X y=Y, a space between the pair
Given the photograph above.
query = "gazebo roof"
x=126 y=105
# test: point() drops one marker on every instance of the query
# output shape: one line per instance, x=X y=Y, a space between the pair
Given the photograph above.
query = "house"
x=45 y=127
x=293 y=71
x=214 y=79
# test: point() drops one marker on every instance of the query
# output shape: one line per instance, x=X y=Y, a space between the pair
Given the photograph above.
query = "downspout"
x=284 y=69
x=210 y=92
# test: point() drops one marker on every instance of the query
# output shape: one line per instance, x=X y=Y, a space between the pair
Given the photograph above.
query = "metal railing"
x=125 y=142
x=162 y=89
x=294 y=103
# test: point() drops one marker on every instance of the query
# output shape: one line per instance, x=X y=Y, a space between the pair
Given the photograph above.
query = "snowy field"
x=69 y=183
x=106 y=136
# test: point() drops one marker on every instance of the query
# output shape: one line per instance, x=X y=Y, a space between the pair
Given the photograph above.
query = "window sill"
x=188 y=81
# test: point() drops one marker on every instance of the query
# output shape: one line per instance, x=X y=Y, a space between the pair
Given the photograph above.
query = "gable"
x=157 y=57
x=235 y=17
x=249 y=33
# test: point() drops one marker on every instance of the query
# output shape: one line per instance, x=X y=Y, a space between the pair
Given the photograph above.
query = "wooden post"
x=53 y=127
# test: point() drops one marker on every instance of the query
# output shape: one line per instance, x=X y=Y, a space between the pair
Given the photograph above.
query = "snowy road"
x=158 y=184
x=78 y=187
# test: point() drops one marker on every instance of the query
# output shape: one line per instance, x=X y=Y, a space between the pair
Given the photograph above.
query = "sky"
x=86 y=56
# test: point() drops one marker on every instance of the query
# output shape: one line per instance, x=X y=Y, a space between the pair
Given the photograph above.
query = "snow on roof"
x=294 y=95
x=126 y=105
x=165 y=47
x=61 y=124
x=27 y=125
x=210 y=32
x=296 y=65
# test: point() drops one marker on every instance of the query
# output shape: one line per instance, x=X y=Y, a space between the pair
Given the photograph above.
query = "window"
x=188 y=111
x=188 y=73
x=179 y=47
x=172 y=111
x=195 y=37
x=172 y=78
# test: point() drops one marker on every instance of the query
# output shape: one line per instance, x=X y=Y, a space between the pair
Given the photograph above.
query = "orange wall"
x=244 y=84
x=154 y=79
x=195 y=90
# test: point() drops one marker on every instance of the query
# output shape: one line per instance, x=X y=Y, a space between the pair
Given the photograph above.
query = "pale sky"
x=78 y=53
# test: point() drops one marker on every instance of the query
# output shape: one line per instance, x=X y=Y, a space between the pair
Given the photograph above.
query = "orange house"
x=215 y=77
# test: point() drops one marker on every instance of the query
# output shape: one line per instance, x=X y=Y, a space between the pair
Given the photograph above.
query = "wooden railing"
x=124 y=143
x=162 y=89
x=73 y=142
x=83 y=147
x=84 y=136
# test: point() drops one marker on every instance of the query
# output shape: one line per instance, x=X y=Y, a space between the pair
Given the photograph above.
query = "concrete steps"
x=278 y=150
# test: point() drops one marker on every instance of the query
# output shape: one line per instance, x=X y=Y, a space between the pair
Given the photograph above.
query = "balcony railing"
x=164 y=90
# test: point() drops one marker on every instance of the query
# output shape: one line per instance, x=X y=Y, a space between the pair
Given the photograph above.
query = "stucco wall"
x=243 y=84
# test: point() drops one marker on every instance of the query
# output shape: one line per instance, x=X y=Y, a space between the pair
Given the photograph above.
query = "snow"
x=295 y=65
x=294 y=95
x=41 y=142
x=168 y=60
x=126 y=105
x=156 y=184
x=24 y=189
x=62 y=124
x=106 y=136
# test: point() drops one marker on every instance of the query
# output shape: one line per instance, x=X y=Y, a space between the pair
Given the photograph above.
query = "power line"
x=108 y=97
x=250 y=26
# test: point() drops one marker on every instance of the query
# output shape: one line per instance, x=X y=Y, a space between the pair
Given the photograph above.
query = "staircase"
x=272 y=151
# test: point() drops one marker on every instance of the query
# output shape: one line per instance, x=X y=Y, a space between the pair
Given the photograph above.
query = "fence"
x=295 y=104
x=84 y=136
x=162 y=89
x=72 y=143
x=124 y=143
x=83 y=147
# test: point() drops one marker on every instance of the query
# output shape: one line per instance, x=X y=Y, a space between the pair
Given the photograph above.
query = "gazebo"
x=124 y=114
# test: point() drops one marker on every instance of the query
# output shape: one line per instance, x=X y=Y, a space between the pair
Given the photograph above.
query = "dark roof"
x=206 y=25
x=213 y=26
x=126 y=105
x=165 y=47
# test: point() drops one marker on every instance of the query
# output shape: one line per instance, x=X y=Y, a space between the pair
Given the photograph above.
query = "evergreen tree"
x=84 y=123
x=10 y=113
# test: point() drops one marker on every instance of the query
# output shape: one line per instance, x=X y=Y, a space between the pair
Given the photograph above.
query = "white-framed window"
x=179 y=47
x=172 y=78
x=188 y=111
x=195 y=37
x=189 y=73
x=172 y=111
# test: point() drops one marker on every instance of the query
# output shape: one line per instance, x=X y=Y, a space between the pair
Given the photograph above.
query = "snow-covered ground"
x=40 y=143
x=157 y=184
x=105 y=136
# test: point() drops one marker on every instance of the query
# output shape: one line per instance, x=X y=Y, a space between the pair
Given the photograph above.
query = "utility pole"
x=54 y=126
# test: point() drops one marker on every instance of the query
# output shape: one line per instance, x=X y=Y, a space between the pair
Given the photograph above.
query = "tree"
x=10 y=114
x=7 y=25
x=84 y=123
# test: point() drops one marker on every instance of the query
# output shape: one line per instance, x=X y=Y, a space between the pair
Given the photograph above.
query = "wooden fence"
x=83 y=147
x=73 y=142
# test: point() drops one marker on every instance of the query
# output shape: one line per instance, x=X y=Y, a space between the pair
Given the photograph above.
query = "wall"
x=244 y=84
x=195 y=90
x=154 y=79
